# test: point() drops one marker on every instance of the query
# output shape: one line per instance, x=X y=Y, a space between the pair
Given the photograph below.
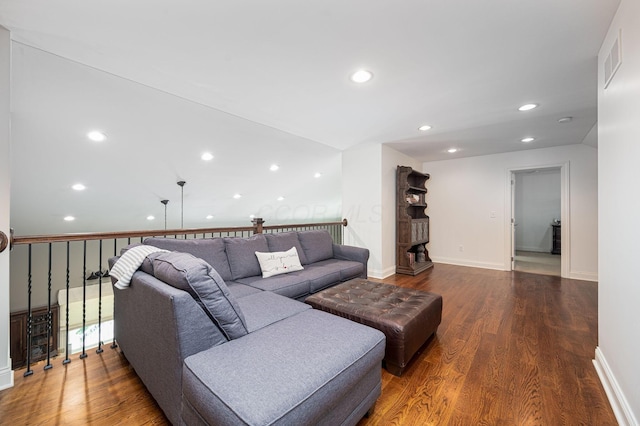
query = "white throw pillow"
x=279 y=262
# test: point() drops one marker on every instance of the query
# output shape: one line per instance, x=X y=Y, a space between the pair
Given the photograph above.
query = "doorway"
x=537 y=208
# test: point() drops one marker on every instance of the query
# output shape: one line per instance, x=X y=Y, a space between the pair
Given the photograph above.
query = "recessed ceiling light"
x=361 y=76
x=69 y=218
x=96 y=136
x=209 y=216
x=527 y=107
x=424 y=128
x=565 y=119
x=317 y=175
x=252 y=216
x=452 y=150
x=280 y=198
x=150 y=217
x=274 y=167
x=207 y=156
x=236 y=196
x=526 y=140
x=79 y=187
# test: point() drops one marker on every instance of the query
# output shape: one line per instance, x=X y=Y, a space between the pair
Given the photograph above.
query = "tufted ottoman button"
x=406 y=316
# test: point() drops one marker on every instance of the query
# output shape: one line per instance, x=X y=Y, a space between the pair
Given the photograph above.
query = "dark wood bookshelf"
x=412 y=222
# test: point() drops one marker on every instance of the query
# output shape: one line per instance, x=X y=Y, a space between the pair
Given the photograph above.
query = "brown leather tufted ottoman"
x=407 y=317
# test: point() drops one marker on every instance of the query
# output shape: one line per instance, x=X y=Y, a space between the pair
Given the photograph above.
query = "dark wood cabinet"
x=39 y=332
x=556 y=246
x=412 y=223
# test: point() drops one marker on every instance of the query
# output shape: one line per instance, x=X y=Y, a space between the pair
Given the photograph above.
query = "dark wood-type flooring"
x=513 y=349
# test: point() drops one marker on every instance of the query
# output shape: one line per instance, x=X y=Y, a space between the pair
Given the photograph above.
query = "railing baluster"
x=66 y=321
x=113 y=342
x=49 y=314
x=53 y=330
x=29 y=318
x=84 y=299
x=100 y=350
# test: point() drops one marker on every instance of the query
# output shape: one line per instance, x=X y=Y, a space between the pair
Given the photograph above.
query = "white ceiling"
x=461 y=66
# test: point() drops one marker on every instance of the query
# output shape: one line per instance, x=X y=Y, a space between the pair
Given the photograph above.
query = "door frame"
x=6 y=375
x=565 y=216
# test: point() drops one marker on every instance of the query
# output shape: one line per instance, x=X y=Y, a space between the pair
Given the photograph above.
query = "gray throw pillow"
x=195 y=276
x=317 y=245
x=241 y=253
x=209 y=249
x=283 y=241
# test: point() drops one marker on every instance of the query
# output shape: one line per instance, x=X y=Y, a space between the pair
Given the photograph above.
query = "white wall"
x=464 y=193
x=6 y=375
x=361 y=201
x=368 y=201
x=537 y=204
x=619 y=203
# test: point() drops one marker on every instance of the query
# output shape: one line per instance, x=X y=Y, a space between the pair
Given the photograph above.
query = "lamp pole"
x=165 y=212
x=181 y=184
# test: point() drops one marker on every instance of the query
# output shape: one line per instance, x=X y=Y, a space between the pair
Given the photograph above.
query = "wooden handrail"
x=44 y=277
x=343 y=222
x=54 y=238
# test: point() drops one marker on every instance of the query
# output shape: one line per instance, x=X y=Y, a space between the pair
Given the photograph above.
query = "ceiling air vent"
x=613 y=60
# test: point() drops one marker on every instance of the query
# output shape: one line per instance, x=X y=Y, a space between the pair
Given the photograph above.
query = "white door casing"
x=564 y=216
x=6 y=375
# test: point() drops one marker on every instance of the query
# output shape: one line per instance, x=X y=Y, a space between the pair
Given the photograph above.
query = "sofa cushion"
x=239 y=291
x=279 y=262
x=241 y=253
x=265 y=308
x=322 y=275
x=317 y=245
x=209 y=249
x=290 y=285
x=283 y=241
x=348 y=268
x=198 y=278
x=301 y=368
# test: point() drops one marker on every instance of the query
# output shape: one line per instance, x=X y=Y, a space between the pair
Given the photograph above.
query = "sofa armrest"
x=356 y=254
x=157 y=327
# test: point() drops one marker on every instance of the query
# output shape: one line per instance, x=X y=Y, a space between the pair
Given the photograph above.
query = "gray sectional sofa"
x=216 y=343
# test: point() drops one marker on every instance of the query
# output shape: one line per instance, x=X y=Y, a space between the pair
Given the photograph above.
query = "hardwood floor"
x=512 y=349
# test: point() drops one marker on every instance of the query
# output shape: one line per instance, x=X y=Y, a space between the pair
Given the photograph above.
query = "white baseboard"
x=6 y=377
x=619 y=403
x=466 y=262
x=585 y=276
x=387 y=272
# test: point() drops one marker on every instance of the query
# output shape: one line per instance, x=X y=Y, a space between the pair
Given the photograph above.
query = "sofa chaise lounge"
x=241 y=349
